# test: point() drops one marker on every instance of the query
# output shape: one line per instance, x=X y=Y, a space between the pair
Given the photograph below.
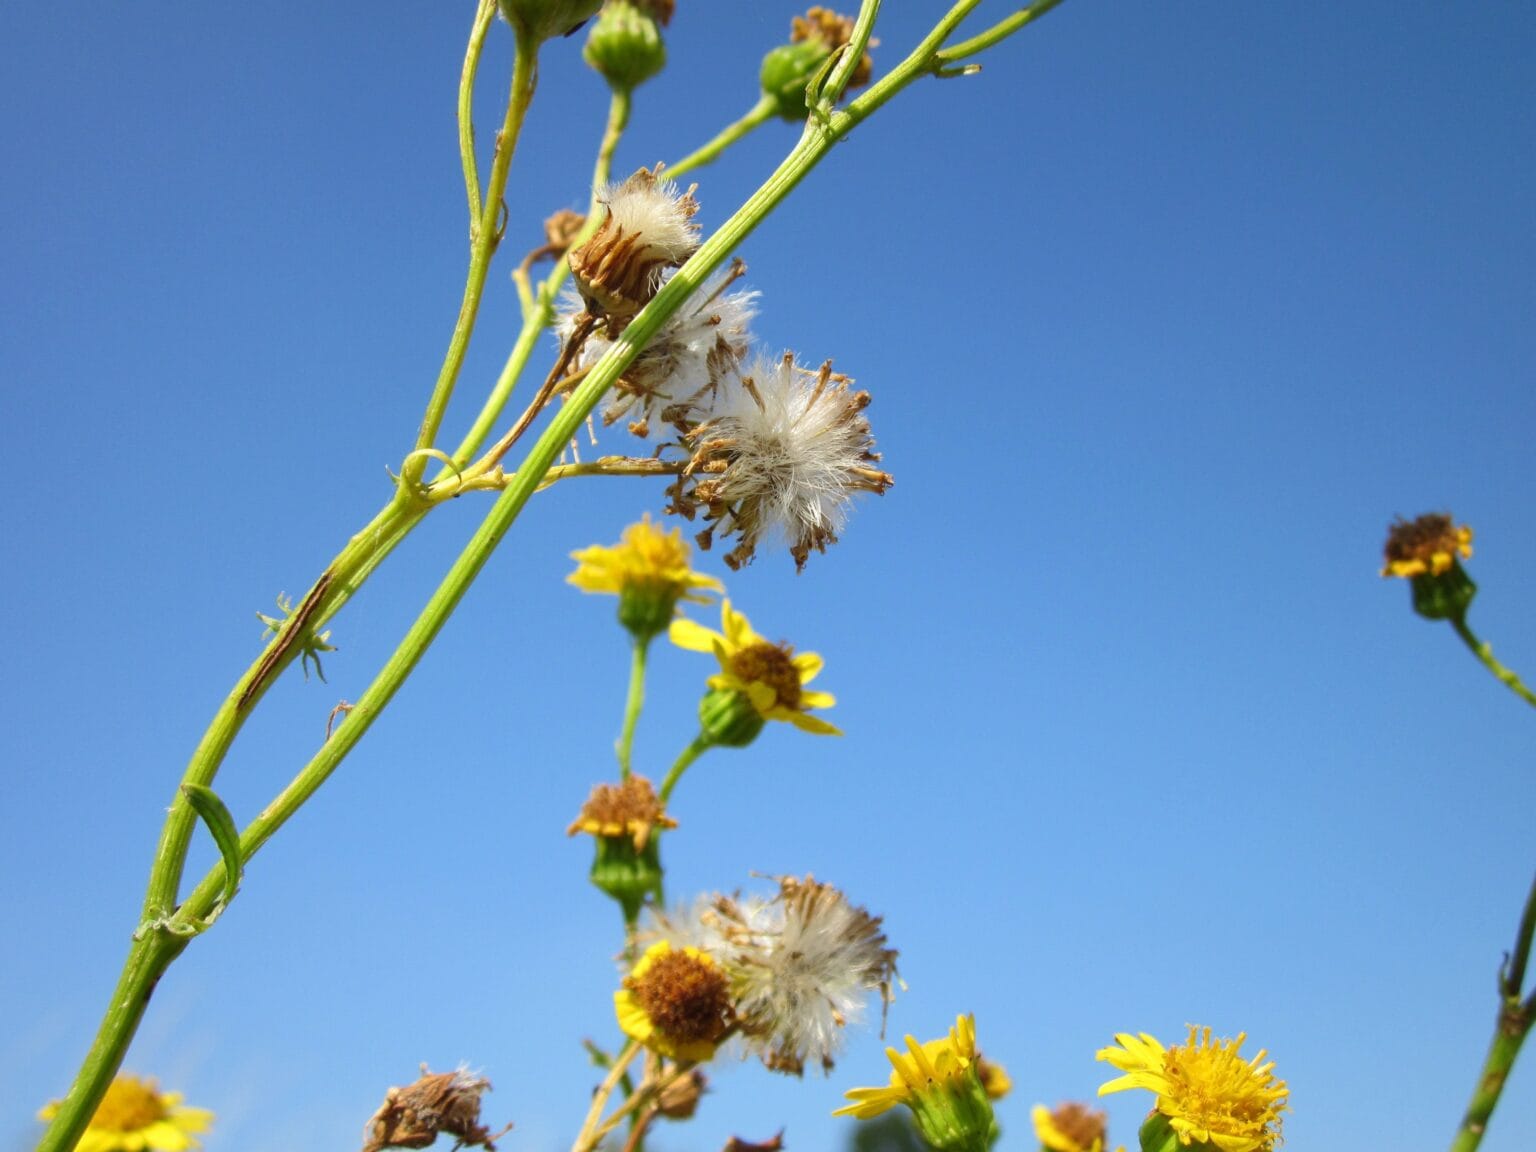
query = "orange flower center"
x=770 y=664
x=128 y=1106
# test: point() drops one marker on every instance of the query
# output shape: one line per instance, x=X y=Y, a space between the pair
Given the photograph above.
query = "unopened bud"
x=541 y=20
x=624 y=46
x=728 y=718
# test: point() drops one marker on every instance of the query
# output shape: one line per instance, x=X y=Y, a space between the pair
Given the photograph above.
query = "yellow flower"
x=1069 y=1127
x=648 y=570
x=134 y=1117
x=1208 y=1092
x=677 y=1002
x=770 y=676
x=1426 y=546
x=994 y=1078
x=949 y=1059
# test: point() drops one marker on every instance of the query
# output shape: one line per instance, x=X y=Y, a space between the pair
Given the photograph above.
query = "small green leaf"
x=206 y=803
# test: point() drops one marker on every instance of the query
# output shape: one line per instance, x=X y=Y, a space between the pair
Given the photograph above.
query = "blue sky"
x=1165 y=316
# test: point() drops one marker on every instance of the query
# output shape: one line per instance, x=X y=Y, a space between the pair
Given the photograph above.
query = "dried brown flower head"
x=646 y=228
x=1070 y=1127
x=629 y=808
x=1428 y=545
x=441 y=1103
x=680 y=1099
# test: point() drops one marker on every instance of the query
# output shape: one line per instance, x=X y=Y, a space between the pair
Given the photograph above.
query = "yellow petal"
x=809 y=665
x=814 y=724
x=692 y=636
x=817 y=700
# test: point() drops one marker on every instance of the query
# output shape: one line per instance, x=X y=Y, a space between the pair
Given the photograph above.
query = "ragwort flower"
x=1426 y=546
x=785 y=452
x=940 y=1083
x=764 y=680
x=1209 y=1094
x=1069 y=1127
x=648 y=570
x=134 y=1116
x=676 y=1001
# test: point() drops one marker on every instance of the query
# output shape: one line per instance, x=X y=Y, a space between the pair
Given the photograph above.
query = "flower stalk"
x=1484 y=653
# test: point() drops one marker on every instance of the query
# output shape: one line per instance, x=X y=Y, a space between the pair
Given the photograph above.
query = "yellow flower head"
x=994 y=1078
x=1208 y=1092
x=677 y=1002
x=648 y=570
x=1426 y=546
x=134 y=1117
x=1069 y=1127
x=770 y=676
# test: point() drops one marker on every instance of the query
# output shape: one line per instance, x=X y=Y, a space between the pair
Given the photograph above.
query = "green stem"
x=1485 y=653
x=701 y=744
x=999 y=32
x=1513 y=1025
x=539 y=316
x=632 y=705
x=149 y=957
x=483 y=18
x=485 y=234
x=758 y=115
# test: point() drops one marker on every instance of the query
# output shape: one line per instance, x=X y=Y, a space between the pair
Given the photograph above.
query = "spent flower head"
x=1070 y=1127
x=676 y=376
x=803 y=967
x=647 y=227
x=789 y=68
x=438 y=1103
x=785 y=452
x=648 y=571
x=758 y=679
x=134 y=1116
x=940 y=1083
x=1210 y=1096
x=677 y=1002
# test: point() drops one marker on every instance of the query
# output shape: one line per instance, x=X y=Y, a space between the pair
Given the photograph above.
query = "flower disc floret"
x=772 y=677
x=676 y=1002
x=134 y=1116
x=1427 y=546
x=1209 y=1093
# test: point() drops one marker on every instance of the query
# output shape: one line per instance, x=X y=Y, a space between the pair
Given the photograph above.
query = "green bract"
x=624 y=46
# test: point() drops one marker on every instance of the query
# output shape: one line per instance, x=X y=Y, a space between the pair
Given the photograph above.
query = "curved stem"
x=701 y=744
x=758 y=115
x=999 y=32
x=1485 y=654
x=485 y=234
x=632 y=705
x=1513 y=1025
x=483 y=18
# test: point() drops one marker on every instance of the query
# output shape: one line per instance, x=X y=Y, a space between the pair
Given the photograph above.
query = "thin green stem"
x=483 y=19
x=997 y=33
x=149 y=957
x=700 y=745
x=485 y=234
x=758 y=115
x=1510 y=1030
x=585 y=1139
x=539 y=312
x=1485 y=653
x=633 y=702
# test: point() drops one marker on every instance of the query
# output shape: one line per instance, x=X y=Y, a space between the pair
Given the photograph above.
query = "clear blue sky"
x=1165 y=316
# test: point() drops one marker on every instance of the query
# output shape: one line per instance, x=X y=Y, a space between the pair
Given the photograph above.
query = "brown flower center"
x=685 y=997
x=773 y=665
x=1421 y=539
x=128 y=1106
x=1079 y=1124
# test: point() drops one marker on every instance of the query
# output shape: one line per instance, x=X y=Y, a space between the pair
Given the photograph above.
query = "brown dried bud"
x=628 y=809
x=834 y=30
x=679 y=1099
x=438 y=1103
x=647 y=228
x=561 y=230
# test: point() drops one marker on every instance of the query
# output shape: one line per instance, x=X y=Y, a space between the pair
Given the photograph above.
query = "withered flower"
x=647 y=227
x=628 y=809
x=441 y=1103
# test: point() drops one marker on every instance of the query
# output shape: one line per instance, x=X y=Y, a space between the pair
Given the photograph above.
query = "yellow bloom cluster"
x=135 y=1117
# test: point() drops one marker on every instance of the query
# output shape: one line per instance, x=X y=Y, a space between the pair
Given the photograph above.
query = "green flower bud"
x=1445 y=596
x=624 y=46
x=728 y=718
x=541 y=20
x=957 y=1117
x=787 y=70
x=626 y=873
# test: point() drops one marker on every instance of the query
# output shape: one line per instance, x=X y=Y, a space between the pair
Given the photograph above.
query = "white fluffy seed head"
x=786 y=450
x=647 y=227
